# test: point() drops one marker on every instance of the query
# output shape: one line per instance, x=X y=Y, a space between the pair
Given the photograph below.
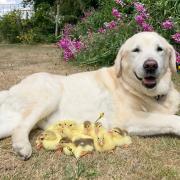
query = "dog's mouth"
x=148 y=81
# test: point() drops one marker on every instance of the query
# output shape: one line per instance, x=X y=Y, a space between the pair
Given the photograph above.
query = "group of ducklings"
x=81 y=139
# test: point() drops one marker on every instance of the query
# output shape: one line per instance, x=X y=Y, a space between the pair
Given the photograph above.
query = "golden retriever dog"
x=136 y=94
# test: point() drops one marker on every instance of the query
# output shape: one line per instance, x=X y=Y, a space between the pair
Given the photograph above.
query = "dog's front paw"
x=23 y=149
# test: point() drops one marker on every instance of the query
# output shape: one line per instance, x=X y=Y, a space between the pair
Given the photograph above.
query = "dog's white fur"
x=42 y=99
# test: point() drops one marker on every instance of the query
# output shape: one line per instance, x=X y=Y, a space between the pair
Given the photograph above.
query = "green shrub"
x=11 y=26
x=101 y=48
x=43 y=19
x=99 y=17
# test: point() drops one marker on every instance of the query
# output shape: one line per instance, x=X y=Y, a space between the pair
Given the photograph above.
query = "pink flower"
x=168 y=24
x=64 y=43
x=68 y=55
x=119 y=2
x=78 y=45
x=177 y=57
x=139 y=7
x=70 y=47
x=176 y=37
x=116 y=13
x=110 y=25
x=144 y=15
x=101 y=30
x=139 y=19
x=67 y=29
x=147 y=27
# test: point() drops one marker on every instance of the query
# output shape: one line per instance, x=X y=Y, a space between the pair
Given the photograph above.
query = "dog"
x=136 y=94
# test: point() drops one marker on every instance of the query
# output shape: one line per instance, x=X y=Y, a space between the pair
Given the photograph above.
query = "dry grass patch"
x=147 y=158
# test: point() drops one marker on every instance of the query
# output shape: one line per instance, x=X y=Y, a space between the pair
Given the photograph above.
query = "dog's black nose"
x=150 y=65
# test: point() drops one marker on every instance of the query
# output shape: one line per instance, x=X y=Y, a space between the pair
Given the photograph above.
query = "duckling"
x=61 y=125
x=71 y=132
x=50 y=140
x=88 y=128
x=103 y=142
x=78 y=147
x=57 y=127
x=68 y=124
x=120 y=137
x=67 y=145
x=84 y=145
x=101 y=115
x=39 y=141
x=98 y=127
x=80 y=151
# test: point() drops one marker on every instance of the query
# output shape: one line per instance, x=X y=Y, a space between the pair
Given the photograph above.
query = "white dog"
x=136 y=94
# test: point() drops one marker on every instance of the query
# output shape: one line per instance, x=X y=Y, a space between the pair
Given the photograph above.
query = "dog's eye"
x=136 y=50
x=159 y=48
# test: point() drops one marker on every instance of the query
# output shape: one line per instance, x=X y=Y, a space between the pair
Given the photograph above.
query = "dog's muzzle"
x=150 y=67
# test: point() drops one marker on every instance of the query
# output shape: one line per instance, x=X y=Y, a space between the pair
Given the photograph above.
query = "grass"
x=147 y=158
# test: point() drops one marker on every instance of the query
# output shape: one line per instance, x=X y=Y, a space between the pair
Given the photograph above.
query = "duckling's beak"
x=101 y=142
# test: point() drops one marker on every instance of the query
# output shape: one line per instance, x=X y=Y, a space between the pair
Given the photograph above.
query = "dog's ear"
x=118 y=62
x=172 y=59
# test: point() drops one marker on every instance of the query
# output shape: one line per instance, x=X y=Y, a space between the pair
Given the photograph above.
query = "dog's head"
x=146 y=61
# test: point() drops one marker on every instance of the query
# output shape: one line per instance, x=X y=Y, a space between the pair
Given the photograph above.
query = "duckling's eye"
x=159 y=49
x=136 y=50
x=70 y=125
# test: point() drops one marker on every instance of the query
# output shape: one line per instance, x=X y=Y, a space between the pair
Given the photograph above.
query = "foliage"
x=101 y=48
x=40 y=28
x=36 y=3
x=11 y=26
x=107 y=28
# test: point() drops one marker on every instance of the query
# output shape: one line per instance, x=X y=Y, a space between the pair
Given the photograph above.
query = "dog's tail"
x=3 y=96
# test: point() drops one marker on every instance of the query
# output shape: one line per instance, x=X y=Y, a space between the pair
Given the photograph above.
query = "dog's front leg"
x=20 y=136
x=142 y=124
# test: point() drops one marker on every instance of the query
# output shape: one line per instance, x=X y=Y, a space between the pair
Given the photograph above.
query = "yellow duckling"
x=101 y=115
x=71 y=132
x=98 y=127
x=68 y=124
x=80 y=146
x=61 y=125
x=80 y=151
x=50 y=140
x=88 y=128
x=39 y=141
x=84 y=145
x=120 y=137
x=67 y=145
x=103 y=142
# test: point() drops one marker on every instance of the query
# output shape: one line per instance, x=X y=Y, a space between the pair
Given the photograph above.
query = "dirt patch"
x=18 y=61
x=147 y=158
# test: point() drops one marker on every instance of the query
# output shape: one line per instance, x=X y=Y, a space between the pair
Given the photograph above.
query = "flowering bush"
x=70 y=47
x=103 y=31
x=167 y=24
x=176 y=37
